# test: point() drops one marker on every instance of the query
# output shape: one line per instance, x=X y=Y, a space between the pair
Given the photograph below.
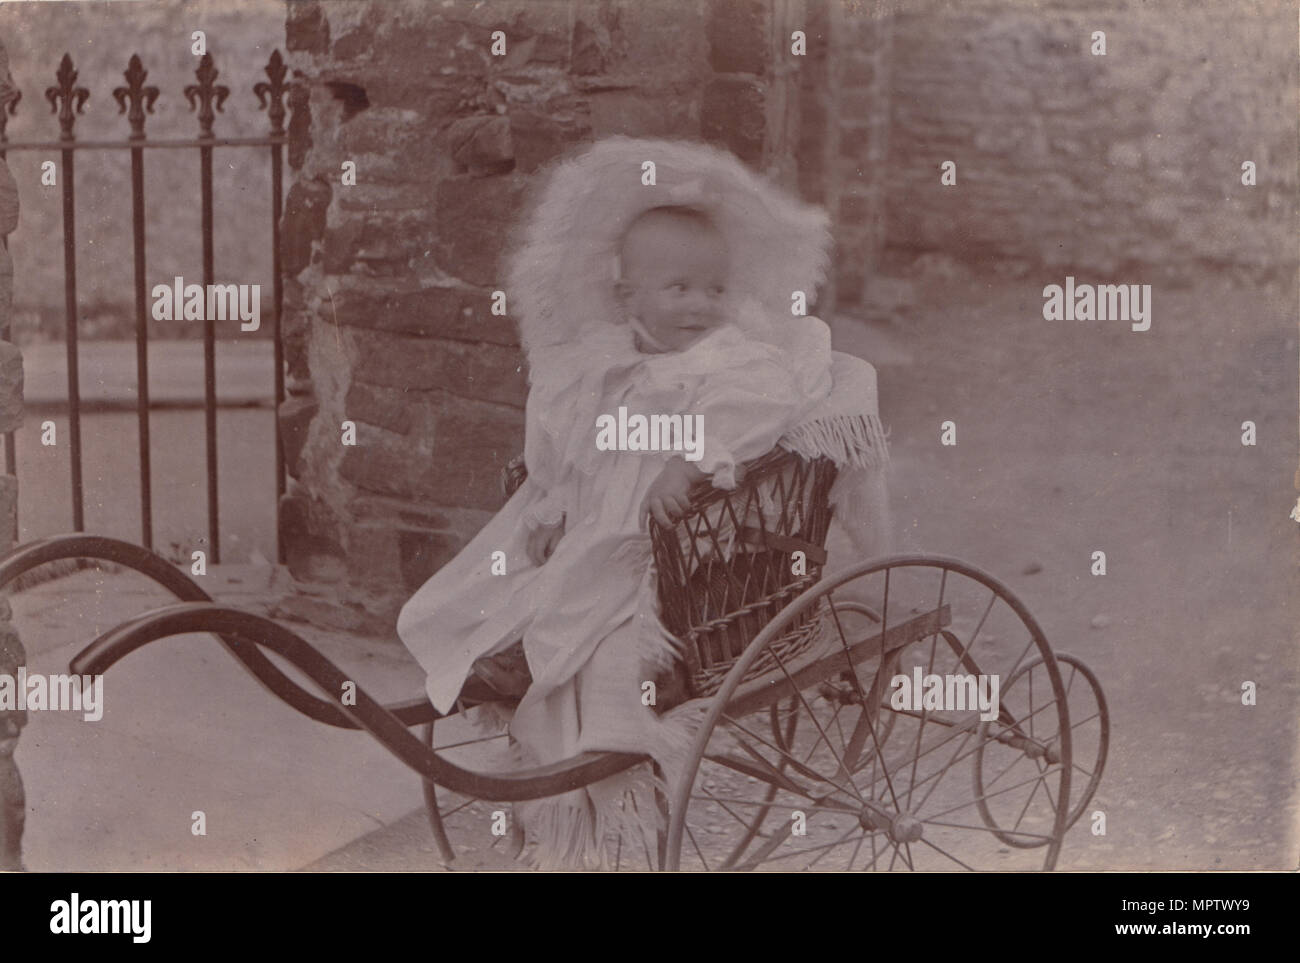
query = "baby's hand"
x=542 y=541
x=668 y=497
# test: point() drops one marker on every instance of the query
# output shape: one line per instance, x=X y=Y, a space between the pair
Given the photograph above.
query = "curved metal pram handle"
x=60 y=547
x=245 y=631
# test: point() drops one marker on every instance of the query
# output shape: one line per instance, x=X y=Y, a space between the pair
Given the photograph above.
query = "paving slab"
x=184 y=730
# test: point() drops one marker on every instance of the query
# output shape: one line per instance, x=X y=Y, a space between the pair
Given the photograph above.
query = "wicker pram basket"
x=727 y=567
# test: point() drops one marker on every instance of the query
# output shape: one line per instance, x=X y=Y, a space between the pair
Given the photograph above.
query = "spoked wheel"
x=468 y=816
x=478 y=823
x=1006 y=756
x=788 y=773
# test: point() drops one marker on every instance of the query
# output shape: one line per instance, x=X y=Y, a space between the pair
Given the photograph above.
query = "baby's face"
x=674 y=279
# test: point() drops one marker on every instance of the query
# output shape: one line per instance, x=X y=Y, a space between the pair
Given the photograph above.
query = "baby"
x=672 y=284
x=578 y=588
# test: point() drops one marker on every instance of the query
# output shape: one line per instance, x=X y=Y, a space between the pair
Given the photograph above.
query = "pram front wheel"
x=863 y=750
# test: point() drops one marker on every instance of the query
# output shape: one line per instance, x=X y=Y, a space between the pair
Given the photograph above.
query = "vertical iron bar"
x=8 y=109
x=270 y=94
x=206 y=95
x=67 y=100
x=209 y=357
x=70 y=327
x=141 y=347
x=140 y=98
x=277 y=187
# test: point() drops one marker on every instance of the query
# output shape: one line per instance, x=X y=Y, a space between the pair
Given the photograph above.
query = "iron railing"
x=136 y=100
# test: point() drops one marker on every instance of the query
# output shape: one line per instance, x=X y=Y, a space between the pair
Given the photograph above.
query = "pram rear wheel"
x=1003 y=756
x=829 y=762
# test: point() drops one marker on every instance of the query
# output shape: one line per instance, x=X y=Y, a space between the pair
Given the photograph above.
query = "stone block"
x=357 y=43
x=482 y=144
x=11 y=387
x=587 y=50
x=6 y=284
x=397 y=513
x=855 y=142
x=8 y=513
x=8 y=201
x=430 y=98
x=422 y=45
x=13 y=804
x=472 y=216
x=311 y=554
x=659 y=44
x=733 y=114
x=859 y=70
x=738 y=36
x=535 y=32
x=299 y=126
x=295 y=416
x=639 y=114
x=303 y=223
x=423 y=553
x=306 y=28
x=483 y=372
x=385 y=407
x=381 y=244
x=858 y=208
x=539 y=137
x=471 y=443
x=453 y=313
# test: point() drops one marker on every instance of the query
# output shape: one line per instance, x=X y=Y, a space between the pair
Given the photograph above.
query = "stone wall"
x=12 y=804
x=389 y=282
x=1104 y=164
x=858 y=91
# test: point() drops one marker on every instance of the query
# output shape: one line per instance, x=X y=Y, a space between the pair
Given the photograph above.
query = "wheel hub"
x=905 y=828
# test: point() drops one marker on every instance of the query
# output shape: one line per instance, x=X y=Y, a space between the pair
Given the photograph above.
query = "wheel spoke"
x=944 y=852
x=856 y=848
x=945 y=769
x=963 y=653
x=1024 y=809
x=725 y=808
x=795 y=763
x=470 y=742
x=920 y=730
x=988 y=829
x=807 y=708
x=783 y=779
x=852 y=830
x=818 y=741
x=698 y=851
x=990 y=795
x=797 y=852
x=868 y=703
x=815 y=808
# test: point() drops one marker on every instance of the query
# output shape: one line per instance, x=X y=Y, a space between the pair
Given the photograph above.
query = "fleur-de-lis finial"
x=205 y=93
x=8 y=108
x=63 y=97
x=141 y=97
x=273 y=93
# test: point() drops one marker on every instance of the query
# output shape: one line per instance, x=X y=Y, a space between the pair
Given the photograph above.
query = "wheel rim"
x=892 y=791
x=1089 y=742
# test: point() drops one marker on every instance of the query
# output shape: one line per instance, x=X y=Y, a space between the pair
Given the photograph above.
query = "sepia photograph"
x=634 y=435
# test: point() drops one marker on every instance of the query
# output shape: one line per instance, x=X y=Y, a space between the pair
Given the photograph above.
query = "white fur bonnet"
x=561 y=275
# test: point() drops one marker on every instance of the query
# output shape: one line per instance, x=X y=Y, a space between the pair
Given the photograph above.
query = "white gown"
x=749 y=394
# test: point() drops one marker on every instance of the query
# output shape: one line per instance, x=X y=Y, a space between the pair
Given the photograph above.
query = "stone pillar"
x=389 y=281
x=861 y=42
x=12 y=801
